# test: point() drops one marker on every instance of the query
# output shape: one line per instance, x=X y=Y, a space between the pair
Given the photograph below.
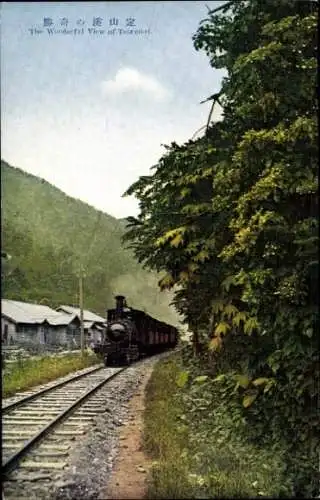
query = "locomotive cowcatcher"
x=132 y=334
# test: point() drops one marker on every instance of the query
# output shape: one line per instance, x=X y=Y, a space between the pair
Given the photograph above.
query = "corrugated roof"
x=24 y=312
x=88 y=324
x=62 y=319
x=87 y=315
x=92 y=324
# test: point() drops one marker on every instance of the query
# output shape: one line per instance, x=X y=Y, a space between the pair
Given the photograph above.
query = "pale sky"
x=88 y=111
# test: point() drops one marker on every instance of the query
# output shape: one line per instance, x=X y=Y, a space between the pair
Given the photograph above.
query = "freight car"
x=132 y=334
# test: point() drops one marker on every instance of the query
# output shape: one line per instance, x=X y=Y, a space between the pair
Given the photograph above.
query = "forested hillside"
x=48 y=234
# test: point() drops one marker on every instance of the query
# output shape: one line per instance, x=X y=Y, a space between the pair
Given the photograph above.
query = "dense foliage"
x=48 y=234
x=187 y=434
x=232 y=218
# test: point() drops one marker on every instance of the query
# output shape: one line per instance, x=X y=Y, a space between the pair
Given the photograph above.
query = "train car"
x=132 y=334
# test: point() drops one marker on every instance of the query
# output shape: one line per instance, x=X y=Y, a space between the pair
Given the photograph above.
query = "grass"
x=162 y=439
x=27 y=373
x=197 y=452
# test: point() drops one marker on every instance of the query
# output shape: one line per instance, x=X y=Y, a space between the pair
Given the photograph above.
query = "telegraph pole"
x=81 y=309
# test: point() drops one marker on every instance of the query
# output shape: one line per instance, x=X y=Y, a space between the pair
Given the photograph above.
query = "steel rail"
x=10 y=464
x=30 y=397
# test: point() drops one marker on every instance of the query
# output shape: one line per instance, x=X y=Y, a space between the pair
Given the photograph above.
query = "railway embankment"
x=159 y=429
x=77 y=457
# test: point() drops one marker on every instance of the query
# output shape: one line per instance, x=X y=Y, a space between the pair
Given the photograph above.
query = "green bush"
x=195 y=431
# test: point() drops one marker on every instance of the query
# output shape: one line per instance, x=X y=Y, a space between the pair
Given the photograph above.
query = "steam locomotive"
x=132 y=334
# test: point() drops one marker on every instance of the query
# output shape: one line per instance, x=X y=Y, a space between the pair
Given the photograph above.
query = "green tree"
x=232 y=220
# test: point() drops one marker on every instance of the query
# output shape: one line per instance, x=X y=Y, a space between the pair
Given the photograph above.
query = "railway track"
x=23 y=397
x=38 y=429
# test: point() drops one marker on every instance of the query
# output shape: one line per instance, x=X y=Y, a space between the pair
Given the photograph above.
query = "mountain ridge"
x=45 y=182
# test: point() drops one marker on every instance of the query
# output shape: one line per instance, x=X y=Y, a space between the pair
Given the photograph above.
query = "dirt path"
x=128 y=479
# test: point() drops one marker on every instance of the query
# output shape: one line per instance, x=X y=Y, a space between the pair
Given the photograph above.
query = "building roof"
x=88 y=324
x=62 y=319
x=24 y=312
x=87 y=315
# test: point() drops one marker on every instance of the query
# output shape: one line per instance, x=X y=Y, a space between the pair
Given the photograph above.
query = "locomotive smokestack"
x=120 y=302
